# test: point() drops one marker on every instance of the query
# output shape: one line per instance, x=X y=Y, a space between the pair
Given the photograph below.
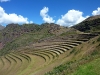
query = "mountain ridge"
x=91 y=24
x=50 y=49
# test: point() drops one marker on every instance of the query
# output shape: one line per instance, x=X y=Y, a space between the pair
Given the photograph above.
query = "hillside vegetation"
x=15 y=36
x=51 y=49
x=85 y=59
x=91 y=24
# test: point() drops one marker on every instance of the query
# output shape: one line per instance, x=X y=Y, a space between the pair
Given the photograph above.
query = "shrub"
x=98 y=39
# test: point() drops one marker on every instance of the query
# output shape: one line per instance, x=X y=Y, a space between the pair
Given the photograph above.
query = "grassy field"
x=91 y=68
x=48 y=51
x=85 y=60
x=36 y=61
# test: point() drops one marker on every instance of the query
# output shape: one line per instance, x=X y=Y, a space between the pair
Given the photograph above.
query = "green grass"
x=73 y=50
x=92 y=68
x=98 y=39
x=68 y=33
x=87 y=65
x=22 y=41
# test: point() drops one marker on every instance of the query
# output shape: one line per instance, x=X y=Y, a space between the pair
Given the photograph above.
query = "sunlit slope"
x=84 y=61
x=39 y=59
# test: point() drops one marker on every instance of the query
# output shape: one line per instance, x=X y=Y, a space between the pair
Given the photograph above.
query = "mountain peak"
x=92 y=17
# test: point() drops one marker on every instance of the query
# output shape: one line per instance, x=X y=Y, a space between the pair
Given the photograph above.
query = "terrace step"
x=1 y=63
x=24 y=56
x=6 y=66
x=14 y=66
x=47 y=52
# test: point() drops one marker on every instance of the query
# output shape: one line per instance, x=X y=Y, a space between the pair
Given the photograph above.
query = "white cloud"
x=31 y=21
x=45 y=16
x=96 y=12
x=4 y=0
x=11 y=18
x=72 y=17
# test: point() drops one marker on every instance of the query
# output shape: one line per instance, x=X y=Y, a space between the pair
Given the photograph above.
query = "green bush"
x=98 y=39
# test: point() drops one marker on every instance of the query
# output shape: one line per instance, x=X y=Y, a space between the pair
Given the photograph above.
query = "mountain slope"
x=91 y=24
x=83 y=61
x=1 y=27
x=32 y=49
x=15 y=36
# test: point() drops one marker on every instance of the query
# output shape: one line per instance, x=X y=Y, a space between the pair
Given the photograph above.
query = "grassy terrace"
x=46 y=57
x=51 y=49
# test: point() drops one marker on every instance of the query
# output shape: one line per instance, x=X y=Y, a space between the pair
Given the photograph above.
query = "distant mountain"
x=91 y=24
x=1 y=27
x=12 y=31
x=14 y=35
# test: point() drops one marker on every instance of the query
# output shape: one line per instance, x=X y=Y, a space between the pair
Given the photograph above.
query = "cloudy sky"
x=63 y=12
